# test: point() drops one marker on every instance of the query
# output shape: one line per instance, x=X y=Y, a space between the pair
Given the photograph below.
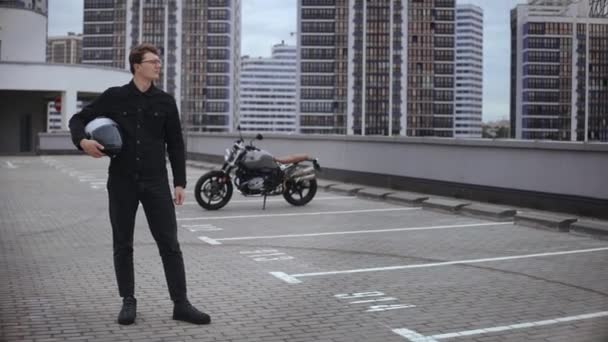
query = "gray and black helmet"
x=106 y=132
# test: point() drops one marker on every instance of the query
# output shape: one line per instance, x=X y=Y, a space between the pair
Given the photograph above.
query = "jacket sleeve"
x=175 y=147
x=86 y=115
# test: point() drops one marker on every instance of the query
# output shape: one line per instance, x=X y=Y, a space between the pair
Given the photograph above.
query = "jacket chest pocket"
x=155 y=122
x=121 y=117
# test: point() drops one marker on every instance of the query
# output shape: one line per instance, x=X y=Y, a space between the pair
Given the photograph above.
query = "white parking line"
x=10 y=165
x=216 y=241
x=413 y=336
x=208 y=240
x=200 y=227
x=416 y=337
x=257 y=200
x=296 y=214
x=293 y=278
x=98 y=182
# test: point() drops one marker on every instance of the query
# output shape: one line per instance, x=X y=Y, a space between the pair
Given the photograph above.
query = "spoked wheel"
x=301 y=192
x=213 y=190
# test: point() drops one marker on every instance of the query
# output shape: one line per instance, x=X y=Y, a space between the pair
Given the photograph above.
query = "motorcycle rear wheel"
x=213 y=190
x=300 y=193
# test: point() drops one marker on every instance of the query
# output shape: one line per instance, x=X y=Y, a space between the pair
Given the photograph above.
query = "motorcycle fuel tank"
x=255 y=160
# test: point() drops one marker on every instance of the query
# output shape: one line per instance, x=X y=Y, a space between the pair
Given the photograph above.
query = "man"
x=149 y=124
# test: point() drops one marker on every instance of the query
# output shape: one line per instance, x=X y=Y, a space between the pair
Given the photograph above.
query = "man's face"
x=149 y=68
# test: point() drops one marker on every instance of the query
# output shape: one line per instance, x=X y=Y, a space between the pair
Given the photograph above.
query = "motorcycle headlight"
x=227 y=155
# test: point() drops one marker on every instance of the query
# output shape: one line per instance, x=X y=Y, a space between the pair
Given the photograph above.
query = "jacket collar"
x=150 y=92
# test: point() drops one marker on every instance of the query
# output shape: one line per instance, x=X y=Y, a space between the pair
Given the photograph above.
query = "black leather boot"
x=127 y=314
x=184 y=311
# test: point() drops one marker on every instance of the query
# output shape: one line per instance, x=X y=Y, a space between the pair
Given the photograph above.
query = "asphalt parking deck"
x=339 y=269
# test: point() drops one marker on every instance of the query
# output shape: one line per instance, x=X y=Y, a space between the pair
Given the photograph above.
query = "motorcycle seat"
x=292 y=158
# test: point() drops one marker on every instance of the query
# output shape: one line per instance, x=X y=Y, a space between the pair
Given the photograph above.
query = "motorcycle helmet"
x=106 y=132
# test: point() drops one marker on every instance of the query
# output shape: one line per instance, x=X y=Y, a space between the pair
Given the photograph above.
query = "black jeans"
x=156 y=198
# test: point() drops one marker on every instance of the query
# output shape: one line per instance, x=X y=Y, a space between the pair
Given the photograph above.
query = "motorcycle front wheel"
x=213 y=190
x=301 y=192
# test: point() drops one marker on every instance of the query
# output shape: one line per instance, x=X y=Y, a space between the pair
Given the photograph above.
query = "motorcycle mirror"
x=238 y=128
x=259 y=136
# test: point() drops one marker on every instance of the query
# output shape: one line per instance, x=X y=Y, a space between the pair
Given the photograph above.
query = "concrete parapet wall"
x=56 y=143
x=574 y=169
x=545 y=175
x=556 y=176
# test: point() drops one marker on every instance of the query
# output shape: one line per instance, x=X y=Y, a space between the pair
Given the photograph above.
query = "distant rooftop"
x=550 y=2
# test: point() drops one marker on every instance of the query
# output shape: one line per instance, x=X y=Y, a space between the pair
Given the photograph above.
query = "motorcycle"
x=256 y=172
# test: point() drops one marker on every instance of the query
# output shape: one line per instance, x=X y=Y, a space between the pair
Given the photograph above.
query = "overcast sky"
x=267 y=22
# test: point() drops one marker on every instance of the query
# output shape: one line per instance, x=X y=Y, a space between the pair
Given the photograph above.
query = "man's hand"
x=180 y=195
x=92 y=148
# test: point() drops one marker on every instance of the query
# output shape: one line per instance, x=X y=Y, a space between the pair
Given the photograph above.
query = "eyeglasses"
x=153 y=61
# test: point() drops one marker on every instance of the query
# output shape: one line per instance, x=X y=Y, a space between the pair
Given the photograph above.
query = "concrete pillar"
x=69 y=100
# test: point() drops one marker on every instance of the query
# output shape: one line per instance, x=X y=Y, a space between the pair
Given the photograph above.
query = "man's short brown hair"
x=138 y=52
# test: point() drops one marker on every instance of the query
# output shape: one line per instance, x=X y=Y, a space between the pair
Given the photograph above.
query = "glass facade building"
x=268 y=91
x=431 y=69
x=199 y=44
x=469 y=72
x=323 y=61
x=104 y=33
x=210 y=64
x=383 y=67
x=559 y=71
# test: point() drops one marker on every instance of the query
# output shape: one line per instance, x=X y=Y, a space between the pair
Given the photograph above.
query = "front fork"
x=226 y=171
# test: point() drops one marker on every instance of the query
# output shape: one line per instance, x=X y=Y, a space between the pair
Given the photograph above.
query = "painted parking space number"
x=374 y=297
x=267 y=255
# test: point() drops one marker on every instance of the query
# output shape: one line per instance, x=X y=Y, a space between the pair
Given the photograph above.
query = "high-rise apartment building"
x=199 y=43
x=383 y=67
x=430 y=68
x=210 y=64
x=469 y=72
x=104 y=33
x=323 y=66
x=268 y=91
x=375 y=68
x=559 y=70
x=64 y=49
x=112 y=28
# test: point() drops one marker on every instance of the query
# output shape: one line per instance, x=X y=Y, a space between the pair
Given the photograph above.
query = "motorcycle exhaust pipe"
x=303 y=172
x=303 y=178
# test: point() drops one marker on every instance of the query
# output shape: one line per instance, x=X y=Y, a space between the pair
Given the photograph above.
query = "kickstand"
x=264 y=206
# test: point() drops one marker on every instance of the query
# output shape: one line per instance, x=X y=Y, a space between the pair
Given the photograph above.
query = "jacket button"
x=138 y=142
x=155 y=113
x=124 y=113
